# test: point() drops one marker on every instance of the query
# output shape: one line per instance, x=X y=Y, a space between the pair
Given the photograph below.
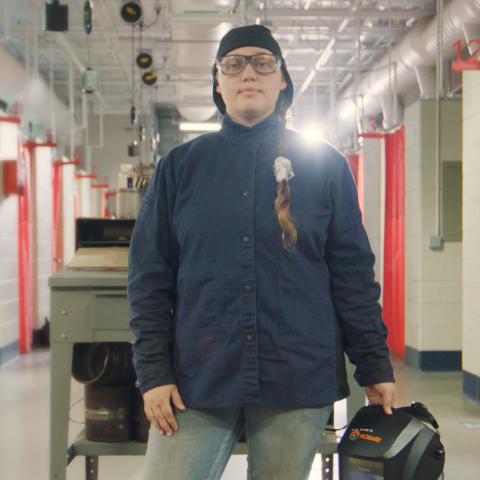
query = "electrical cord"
x=334 y=430
x=71 y=406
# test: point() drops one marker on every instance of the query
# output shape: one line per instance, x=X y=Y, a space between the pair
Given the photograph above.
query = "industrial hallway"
x=24 y=421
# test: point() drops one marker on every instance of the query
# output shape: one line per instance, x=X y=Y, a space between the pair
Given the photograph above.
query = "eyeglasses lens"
x=233 y=64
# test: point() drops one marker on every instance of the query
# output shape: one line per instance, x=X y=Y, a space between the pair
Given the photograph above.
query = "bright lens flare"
x=313 y=133
x=199 y=127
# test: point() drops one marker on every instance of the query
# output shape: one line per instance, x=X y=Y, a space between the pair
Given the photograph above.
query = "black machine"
x=402 y=446
x=55 y=17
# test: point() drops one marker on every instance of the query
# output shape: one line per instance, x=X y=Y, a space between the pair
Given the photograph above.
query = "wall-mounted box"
x=13 y=176
x=452 y=201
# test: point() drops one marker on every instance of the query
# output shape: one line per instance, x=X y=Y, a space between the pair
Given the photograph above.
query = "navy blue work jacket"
x=220 y=308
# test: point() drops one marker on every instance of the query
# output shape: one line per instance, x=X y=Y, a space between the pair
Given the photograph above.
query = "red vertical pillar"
x=394 y=243
x=25 y=341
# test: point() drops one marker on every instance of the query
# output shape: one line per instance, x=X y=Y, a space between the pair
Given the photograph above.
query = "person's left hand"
x=382 y=394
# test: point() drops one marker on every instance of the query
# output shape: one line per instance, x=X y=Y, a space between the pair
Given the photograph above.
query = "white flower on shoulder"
x=283 y=169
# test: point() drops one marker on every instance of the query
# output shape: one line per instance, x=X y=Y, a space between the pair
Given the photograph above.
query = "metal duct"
x=417 y=48
x=13 y=82
x=193 y=96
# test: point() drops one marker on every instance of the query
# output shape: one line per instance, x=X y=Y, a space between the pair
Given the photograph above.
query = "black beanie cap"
x=251 y=36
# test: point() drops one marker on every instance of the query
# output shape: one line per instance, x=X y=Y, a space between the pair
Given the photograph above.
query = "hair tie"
x=283 y=169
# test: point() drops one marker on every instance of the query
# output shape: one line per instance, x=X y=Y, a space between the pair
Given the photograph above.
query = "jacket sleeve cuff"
x=374 y=373
x=156 y=376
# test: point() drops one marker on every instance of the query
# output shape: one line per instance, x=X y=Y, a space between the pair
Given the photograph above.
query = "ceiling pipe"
x=327 y=51
x=100 y=145
x=363 y=14
x=196 y=88
x=417 y=48
x=15 y=85
x=105 y=20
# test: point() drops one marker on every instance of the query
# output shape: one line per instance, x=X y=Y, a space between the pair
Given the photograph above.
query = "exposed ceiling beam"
x=354 y=9
x=324 y=13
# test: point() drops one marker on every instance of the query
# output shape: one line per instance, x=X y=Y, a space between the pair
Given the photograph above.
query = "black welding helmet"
x=402 y=446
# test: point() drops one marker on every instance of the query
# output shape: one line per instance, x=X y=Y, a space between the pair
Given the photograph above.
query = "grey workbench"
x=91 y=306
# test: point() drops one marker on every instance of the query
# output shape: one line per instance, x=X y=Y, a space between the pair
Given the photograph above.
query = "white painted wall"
x=433 y=279
x=44 y=196
x=117 y=136
x=471 y=223
x=68 y=196
x=116 y=139
x=374 y=199
x=8 y=242
x=84 y=195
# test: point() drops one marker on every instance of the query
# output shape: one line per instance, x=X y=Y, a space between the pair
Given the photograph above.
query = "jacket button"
x=246 y=193
x=246 y=239
x=248 y=154
x=247 y=288
x=249 y=338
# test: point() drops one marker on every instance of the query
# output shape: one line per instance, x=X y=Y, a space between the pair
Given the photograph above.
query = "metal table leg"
x=61 y=369
x=327 y=467
x=91 y=468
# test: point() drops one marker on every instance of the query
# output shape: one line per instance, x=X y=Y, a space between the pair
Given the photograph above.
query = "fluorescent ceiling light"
x=306 y=83
x=199 y=127
x=202 y=13
x=325 y=54
x=343 y=25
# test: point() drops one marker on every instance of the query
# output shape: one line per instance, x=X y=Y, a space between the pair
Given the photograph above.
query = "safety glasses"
x=261 y=63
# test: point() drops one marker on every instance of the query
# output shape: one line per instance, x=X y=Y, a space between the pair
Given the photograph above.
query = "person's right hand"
x=158 y=407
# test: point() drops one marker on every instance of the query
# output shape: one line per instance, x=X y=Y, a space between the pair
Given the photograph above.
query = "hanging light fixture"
x=133 y=149
x=131 y=11
x=89 y=76
x=144 y=60
x=150 y=78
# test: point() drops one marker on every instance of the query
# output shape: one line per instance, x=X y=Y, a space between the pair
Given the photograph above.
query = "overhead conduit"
x=193 y=94
x=193 y=61
x=417 y=49
x=40 y=101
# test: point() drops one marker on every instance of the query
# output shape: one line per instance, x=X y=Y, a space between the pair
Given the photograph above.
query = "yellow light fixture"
x=131 y=11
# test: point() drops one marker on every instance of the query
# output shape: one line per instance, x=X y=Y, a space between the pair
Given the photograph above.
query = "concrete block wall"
x=117 y=136
x=374 y=198
x=471 y=235
x=44 y=211
x=433 y=278
x=68 y=196
x=8 y=251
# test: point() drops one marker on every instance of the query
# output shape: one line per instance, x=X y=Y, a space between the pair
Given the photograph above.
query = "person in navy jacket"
x=250 y=276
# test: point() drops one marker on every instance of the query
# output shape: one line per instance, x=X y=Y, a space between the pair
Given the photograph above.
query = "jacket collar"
x=264 y=132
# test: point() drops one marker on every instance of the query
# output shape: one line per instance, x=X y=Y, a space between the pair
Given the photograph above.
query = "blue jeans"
x=282 y=443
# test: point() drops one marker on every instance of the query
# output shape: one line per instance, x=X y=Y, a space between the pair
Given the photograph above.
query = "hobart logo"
x=370 y=438
x=354 y=435
x=364 y=434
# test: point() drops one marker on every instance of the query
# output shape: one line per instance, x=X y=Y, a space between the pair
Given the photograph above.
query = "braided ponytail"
x=282 y=202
